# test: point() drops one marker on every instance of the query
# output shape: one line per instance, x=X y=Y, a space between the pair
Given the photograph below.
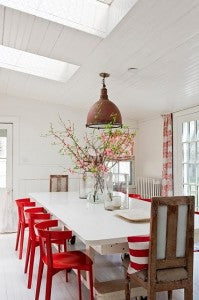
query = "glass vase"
x=83 y=186
x=95 y=188
x=116 y=191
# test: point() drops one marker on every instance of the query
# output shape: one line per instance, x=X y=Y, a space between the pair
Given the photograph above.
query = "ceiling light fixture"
x=104 y=112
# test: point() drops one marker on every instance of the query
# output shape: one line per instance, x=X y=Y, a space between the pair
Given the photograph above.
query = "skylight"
x=97 y=17
x=106 y=1
x=37 y=65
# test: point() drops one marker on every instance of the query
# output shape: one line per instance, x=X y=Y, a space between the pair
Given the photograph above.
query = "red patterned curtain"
x=167 y=172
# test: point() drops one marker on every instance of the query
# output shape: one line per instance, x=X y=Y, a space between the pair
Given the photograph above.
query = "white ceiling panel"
x=160 y=38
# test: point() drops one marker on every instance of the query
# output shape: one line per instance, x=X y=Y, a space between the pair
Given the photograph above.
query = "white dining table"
x=91 y=222
x=100 y=230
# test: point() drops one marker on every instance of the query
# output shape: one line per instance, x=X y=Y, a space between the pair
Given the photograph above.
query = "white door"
x=6 y=178
x=186 y=154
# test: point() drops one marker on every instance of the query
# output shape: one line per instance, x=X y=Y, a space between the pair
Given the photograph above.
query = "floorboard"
x=13 y=281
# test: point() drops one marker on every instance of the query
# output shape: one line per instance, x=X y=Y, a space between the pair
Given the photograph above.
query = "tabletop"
x=91 y=222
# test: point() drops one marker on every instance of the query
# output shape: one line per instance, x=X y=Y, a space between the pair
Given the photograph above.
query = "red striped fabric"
x=139 y=252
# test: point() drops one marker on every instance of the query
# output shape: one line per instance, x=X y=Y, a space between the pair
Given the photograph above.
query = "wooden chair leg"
x=151 y=294
x=188 y=293
x=39 y=278
x=127 y=288
x=169 y=295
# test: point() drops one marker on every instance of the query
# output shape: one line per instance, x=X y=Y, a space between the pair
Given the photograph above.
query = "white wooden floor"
x=13 y=281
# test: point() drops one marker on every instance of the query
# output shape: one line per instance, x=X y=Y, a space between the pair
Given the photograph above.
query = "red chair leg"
x=91 y=284
x=27 y=255
x=48 y=284
x=65 y=250
x=18 y=235
x=66 y=275
x=79 y=284
x=39 y=277
x=21 y=241
x=31 y=264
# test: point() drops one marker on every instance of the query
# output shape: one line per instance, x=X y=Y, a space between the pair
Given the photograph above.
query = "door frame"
x=9 y=156
x=15 y=150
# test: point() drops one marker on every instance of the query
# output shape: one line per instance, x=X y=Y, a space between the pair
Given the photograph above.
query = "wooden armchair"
x=58 y=183
x=170 y=249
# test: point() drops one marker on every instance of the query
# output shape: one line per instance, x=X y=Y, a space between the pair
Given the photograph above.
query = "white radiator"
x=148 y=187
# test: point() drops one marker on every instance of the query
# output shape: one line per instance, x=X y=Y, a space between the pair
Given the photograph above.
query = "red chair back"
x=21 y=207
x=47 y=238
x=137 y=196
x=34 y=216
x=19 y=201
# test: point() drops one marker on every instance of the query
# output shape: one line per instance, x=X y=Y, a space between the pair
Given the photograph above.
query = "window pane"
x=192 y=130
x=186 y=190
x=185 y=131
x=197 y=122
x=186 y=152
x=197 y=175
x=3 y=154
x=185 y=174
x=197 y=200
x=197 y=151
x=193 y=190
x=124 y=167
x=192 y=173
x=3 y=148
x=192 y=152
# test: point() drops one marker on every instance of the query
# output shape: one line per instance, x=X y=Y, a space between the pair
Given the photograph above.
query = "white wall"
x=34 y=156
x=149 y=142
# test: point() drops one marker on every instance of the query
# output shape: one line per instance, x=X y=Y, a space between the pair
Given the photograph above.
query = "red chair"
x=34 y=215
x=137 y=196
x=56 y=262
x=22 y=222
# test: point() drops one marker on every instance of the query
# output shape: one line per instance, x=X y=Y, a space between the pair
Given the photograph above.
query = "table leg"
x=91 y=253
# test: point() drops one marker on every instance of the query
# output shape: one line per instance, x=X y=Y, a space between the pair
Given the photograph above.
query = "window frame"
x=132 y=171
x=178 y=119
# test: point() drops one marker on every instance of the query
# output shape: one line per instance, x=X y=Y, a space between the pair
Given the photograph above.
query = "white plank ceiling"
x=159 y=37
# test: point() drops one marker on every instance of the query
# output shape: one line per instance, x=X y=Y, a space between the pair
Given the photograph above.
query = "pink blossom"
x=71 y=170
x=108 y=152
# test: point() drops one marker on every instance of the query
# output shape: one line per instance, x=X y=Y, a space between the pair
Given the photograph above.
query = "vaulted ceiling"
x=158 y=37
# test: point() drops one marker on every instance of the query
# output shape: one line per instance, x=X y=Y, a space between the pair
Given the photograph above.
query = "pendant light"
x=104 y=112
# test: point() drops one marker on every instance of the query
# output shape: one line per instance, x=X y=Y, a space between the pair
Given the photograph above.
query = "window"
x=126 y=167
x=37 y=65
x=186 y=153
x=190 y=158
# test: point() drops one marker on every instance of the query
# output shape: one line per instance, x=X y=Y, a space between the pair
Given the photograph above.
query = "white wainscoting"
x=32 y=185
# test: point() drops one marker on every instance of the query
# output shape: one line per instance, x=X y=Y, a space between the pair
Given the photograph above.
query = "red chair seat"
x=70 y=260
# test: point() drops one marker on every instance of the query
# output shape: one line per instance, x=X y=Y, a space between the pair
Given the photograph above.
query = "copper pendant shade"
x=104 y=112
